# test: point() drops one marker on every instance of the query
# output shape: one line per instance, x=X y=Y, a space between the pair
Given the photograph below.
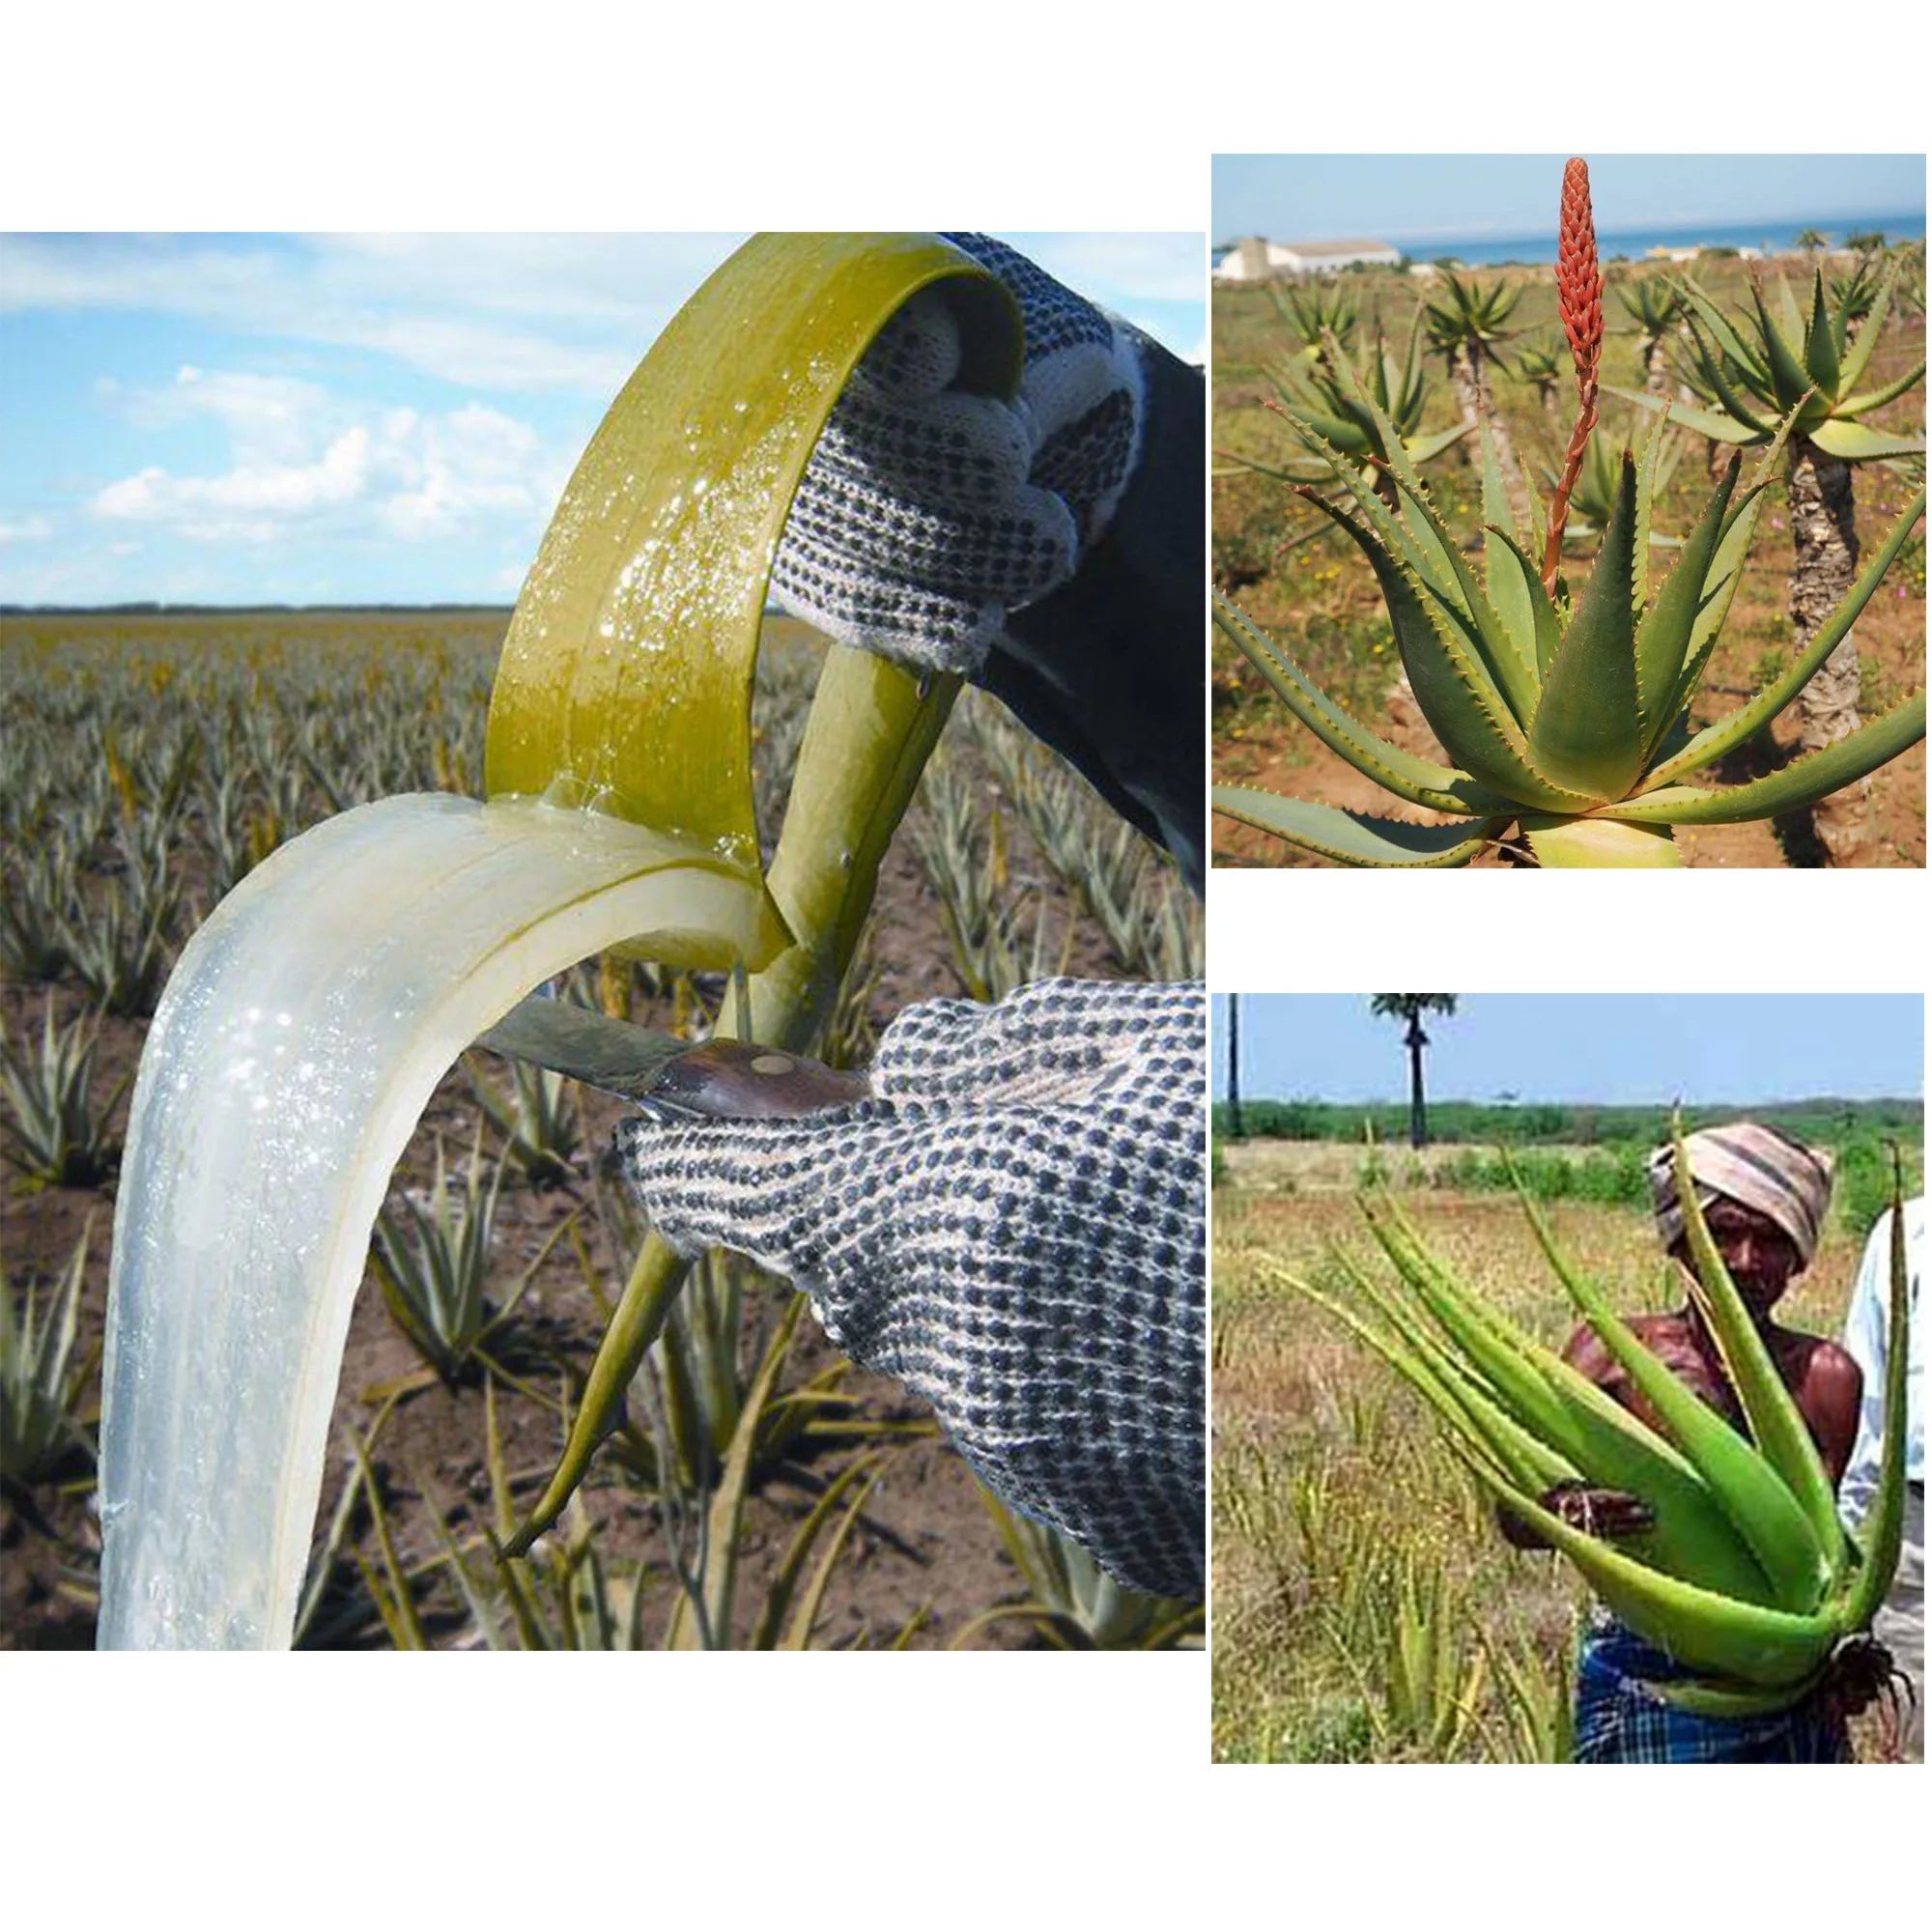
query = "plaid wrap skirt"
x=1618 y=1722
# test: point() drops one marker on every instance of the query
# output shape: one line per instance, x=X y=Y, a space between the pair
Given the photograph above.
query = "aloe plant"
x=1654 y=307
x=1538 y=363
x=1804 y=370
x=1323 y=396
x=1566 y=718
x=1593 y=492
x=1314 y=312
x=1467 y=331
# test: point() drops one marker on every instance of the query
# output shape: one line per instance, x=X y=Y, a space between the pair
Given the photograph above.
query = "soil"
x=925 y=1563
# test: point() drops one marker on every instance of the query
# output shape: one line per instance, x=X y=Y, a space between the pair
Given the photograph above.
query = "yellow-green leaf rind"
x=625 y=678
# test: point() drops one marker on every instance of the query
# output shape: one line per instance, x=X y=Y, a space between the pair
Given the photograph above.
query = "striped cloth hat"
x=1756 y=1167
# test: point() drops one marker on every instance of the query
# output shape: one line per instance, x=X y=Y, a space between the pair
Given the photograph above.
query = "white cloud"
x=248 y=503
x=304 y=460
x=570 y=313
x=501 y=312
x=25 y=530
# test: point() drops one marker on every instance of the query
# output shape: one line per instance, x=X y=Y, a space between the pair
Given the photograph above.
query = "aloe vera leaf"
x=1353 y=837
x=1692 y=1536
x=1459 y=1405
x=1451 y=684
x=1727 y=565
x=1857 y=358
x=1588 y=733
x=1752 y=1493
x=1420 y=449
x=1788 y=379
x=1821 y=348
x=1692 y=1625
x=1503 y=580
x=1408 y=777
x=1646 y=496
x=869 y=732
x=1451 y=581
x=1747 y=354
x=1724 y=736
x=626 y=674
x=1664 y=632
x=1706 y=422
x=1729 y=1698
x=1776 y=1421
x=1870 y=399
x=1546 y=632
x=687 y=1630
x=1883 y=1537
x=1809 y=778
x=1561 y=845
x=304 y=1030
x=1855 y=443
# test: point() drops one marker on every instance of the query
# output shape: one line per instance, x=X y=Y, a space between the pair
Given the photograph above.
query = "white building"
x=1253 y=259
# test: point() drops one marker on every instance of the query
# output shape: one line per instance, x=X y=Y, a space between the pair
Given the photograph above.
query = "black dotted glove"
x=926 y=513
x=1014 y=1228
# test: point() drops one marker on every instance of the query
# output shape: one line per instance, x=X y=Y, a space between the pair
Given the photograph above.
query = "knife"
x=669 y=1078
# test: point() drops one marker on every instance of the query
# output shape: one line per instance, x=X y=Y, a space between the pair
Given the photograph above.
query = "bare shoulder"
x=1832 y=1374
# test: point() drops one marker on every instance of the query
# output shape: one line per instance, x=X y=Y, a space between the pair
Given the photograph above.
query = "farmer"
x=1015 y=1227
x=1900 y=1625
x=1764 y=1196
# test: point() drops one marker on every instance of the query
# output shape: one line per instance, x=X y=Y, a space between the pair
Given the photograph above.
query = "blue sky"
x=356 y=418
x=1609 y=1049
x=1404 y=198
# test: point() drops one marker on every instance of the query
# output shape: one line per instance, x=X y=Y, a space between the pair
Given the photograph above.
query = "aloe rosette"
x=1798 y=373
x=1567 y=722
x=1746 y=1578
x=1355 y=404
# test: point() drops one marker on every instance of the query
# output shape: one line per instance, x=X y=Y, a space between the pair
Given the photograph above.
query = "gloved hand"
x=1015 y=1229
x=926 y=513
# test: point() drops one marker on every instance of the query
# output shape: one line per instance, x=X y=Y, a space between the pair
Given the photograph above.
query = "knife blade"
x=669 y=1078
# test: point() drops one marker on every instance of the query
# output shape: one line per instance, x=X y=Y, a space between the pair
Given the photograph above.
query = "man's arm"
x=1596 y=1511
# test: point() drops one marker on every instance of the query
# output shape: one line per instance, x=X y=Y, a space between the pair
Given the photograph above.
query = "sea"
x=1770 y=238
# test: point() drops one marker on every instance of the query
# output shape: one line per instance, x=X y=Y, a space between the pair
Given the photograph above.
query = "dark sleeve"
x=1110 y=668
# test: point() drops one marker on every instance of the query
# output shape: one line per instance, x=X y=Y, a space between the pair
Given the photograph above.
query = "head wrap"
x=1756 y=1167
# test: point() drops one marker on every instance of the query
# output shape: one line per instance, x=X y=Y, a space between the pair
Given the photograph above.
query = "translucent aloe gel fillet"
x=310 y=1018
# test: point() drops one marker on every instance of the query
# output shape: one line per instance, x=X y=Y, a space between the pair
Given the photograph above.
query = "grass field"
x=1364 y=1607
x=151 y=762
x=1320 y=598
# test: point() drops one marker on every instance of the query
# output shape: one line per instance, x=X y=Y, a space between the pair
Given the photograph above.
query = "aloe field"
x=1365 y=1606
x=1303 y=583
x=758 y=1491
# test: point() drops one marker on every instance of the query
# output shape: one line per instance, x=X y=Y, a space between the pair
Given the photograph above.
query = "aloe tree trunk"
x=1656 y=366
x=1825 y=561
x=1468 y=374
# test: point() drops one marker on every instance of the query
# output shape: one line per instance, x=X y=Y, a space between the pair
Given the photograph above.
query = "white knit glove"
x=1015 y=1229
x=927 y=513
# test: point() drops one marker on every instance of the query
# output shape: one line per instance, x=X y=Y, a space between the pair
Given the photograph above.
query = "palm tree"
x=1409 y=1008
x=1233 y=1066
x=1812 y=239
x=1467 y=331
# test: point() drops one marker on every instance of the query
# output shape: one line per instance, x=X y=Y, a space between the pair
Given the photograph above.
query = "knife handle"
x=731 y=1079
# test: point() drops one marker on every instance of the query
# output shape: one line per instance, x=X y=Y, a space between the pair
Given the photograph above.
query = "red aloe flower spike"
x=1579 y=297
